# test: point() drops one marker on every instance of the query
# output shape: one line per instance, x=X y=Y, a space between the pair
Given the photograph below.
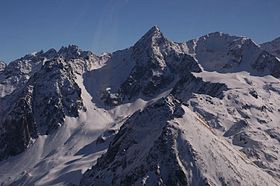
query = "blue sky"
x=108 y=25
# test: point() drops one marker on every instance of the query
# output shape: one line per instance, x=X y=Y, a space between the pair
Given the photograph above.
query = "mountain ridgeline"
x=201 y=112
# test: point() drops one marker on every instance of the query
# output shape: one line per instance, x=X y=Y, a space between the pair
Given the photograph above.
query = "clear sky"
x=108 y=25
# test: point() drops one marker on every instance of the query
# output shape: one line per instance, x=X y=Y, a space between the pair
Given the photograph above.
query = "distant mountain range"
x=202 y=112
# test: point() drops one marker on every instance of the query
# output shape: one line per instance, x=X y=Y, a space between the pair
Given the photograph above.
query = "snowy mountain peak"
x=211 y=42
x=155 y=28
x=152 y=37
x=226 y=53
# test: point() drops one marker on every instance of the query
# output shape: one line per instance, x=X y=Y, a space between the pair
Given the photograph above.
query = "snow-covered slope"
x=247 y=116
x=204 y=112
x=235 y=102
x=178 y=148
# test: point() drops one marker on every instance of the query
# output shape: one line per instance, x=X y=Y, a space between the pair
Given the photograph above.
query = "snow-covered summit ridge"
x=226 y=54
x=207 y=108
x=151 y=37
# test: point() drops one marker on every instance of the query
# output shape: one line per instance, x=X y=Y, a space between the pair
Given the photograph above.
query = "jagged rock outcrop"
x=56 y=94
x=18 y=126
x=17 y=73
x=189 y=84
x=39 y=107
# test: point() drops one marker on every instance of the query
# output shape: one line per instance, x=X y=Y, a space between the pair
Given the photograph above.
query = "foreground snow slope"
x=179 y=148
x=204 y=112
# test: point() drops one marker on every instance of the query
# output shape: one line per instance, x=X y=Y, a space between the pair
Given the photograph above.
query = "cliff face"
x=44 y=93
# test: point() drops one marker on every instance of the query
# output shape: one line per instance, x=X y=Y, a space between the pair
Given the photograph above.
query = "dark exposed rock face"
x=73 y=52
x=151 y=79
x=18 y=127
x=63 y=97
x=190 y=84
x=40 y=107
x=159 y=64
x=36 y=93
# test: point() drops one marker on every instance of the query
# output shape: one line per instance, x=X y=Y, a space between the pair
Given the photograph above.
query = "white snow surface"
x=217 y=155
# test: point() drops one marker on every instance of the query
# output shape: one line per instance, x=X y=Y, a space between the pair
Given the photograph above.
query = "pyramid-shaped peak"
x=154 y=31
x=153 y=36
